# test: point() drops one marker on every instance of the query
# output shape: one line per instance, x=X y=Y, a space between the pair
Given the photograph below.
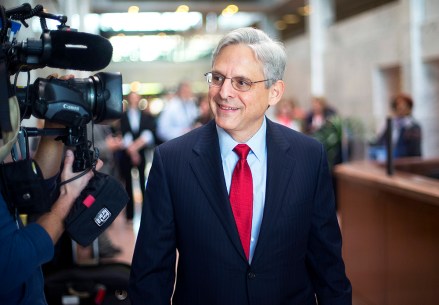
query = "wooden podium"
x=390 y=227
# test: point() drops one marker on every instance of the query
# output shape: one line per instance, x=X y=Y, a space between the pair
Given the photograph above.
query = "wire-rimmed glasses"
x=239 y=83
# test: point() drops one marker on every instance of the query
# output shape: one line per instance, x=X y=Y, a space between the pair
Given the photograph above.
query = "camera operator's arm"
x=24 y=250
x=49 y=153
x=53 y=221
x=48 y=156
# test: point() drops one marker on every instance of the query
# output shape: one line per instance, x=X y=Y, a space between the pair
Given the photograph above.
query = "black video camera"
x=74 y=102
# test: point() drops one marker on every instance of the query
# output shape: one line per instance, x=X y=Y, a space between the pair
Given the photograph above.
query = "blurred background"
x=357 y=54
x=353 y=65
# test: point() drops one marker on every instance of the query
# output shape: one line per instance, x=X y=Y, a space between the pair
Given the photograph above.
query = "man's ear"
x=276 y=92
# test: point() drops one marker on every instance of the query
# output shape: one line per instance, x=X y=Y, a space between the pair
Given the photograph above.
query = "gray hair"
x=269 y=52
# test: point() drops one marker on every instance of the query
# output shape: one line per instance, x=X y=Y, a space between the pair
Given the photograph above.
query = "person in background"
x=108 y=143
x=265 y=232
x=205 y=115
x=289 y=114
x=318 y=115
x=406 y=131
x=179 y=115
x=24 y=248
x=137 y=127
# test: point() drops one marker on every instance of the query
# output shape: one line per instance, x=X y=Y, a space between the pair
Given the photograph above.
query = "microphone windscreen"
x=79 y=51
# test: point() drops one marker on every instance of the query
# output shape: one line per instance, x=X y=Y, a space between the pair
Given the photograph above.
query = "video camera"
x=73 y=103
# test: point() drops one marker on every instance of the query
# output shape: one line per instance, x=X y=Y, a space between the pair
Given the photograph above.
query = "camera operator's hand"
x=53 y=221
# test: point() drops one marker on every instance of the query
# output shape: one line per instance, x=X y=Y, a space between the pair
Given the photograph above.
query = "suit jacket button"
x=251 y=275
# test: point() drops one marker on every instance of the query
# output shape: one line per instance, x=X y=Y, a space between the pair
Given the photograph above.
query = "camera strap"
x=5 y=122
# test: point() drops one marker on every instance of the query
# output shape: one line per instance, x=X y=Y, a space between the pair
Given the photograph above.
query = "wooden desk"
x=390 y=227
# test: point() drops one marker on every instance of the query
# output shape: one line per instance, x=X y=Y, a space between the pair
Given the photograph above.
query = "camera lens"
x=74 y=102
x=108 y=102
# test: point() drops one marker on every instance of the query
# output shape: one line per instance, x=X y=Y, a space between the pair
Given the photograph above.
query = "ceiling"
x=203 y=6
x=274 y=10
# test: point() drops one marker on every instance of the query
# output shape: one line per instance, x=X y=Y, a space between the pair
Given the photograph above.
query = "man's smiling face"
x=239 y=113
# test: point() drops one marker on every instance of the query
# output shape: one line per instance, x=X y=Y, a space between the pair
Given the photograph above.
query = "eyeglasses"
x=239 y=83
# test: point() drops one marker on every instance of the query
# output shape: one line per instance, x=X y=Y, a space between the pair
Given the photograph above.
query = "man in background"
x=137 y=127
x=179 y=115
x=406 y=131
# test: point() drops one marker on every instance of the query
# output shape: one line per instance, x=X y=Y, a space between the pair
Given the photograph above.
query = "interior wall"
x=352 y=56
x=387 y=81
x=297 y=75
x=427 y=110
x=360 y=56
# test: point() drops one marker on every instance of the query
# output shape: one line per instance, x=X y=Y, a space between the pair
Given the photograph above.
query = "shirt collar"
x=257 y=143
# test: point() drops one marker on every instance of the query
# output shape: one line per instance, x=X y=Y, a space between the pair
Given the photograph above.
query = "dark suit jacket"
x=147 y=122
x=409 y=142
x=298 y=255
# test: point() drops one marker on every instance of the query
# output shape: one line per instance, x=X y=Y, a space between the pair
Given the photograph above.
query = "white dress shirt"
x=257 y=160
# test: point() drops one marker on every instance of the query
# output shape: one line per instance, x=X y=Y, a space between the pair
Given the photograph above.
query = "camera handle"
x=85 y=158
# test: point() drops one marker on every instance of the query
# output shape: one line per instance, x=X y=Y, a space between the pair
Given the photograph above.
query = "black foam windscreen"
x=78 y=51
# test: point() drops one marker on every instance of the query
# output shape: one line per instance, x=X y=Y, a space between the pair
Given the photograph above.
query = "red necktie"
x=241 y=196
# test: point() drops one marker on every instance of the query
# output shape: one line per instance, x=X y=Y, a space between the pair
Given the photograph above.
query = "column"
x=321 y=17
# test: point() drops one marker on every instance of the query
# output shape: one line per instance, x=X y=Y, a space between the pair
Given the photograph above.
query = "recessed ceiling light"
x=133 y=9
x=182 y=9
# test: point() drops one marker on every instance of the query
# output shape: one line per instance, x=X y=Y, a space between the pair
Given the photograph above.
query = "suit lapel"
x=280 y=166
x=207 y=167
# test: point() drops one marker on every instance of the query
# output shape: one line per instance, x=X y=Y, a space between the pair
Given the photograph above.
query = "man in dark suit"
x=137 y=127
x=292 y=252
x=406 y=130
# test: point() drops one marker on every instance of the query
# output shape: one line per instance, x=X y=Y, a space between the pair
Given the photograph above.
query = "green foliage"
x=335 y=136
